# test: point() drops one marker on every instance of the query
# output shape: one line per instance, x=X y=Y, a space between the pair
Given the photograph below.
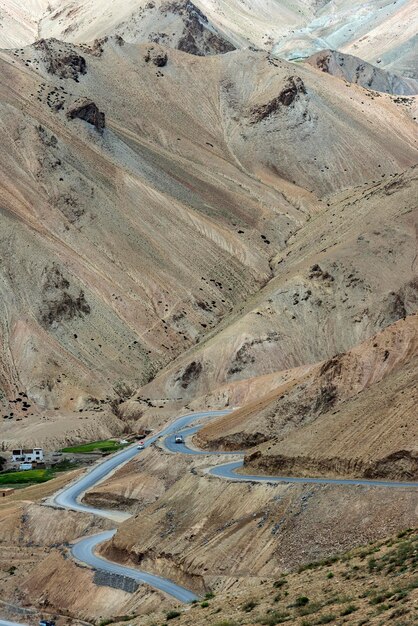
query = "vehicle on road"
x=179 y=439
x=141 y=446
x=46 y=622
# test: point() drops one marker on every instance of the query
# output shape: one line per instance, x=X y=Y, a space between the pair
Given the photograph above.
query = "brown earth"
x=202 y=530
x=352 y=415
x=375 y=584
x=146 y=240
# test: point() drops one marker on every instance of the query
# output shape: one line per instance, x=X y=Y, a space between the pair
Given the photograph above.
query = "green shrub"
x=301 y=601
x=204 y=604
x=274 y=617
x=326 y=619
x=249 y=606
x=308 y=609
x=351 y=608
x=330 y=575
x=209 y=595
x=172 y=614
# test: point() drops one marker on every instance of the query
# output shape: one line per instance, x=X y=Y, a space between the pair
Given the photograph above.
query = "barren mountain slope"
x=355 y=70
x=373 y=435
x=348 y=273
x=375 y=584
x=304 y=396
x=124 y=245
x=381 y=31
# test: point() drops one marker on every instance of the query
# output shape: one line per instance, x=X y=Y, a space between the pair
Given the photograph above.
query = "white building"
x=28 y=455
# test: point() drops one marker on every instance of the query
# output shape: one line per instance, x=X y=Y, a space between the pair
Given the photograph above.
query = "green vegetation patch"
x=29 y=476
x=107 y=445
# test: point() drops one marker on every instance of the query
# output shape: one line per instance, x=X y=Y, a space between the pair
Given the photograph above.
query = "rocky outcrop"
x=61 y=60
x=199 y=38
x=237 y=441
x=400 y=465
x=157 y=57
x=58 y=302
x=87 y=111
x=190 y=374
x=293 y=89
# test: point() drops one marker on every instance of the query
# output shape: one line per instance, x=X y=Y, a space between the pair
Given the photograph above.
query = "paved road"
x=84 y=551
x=4 y=622
x=71 y=496
x=170 y=443
x=228 y=471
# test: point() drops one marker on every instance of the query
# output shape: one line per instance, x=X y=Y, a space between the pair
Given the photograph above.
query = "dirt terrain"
x=207 y=529
x=213 y=204
x=353 y=415
x=101 y=201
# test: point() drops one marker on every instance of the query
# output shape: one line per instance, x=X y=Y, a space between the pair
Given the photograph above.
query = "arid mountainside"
x=134 y=223
x=207 y=532
x=340 y=280
x=355 y=70
x=209 y=205
x=380 y=31
x=225 y=536
x=354 y=415
x=375 y=584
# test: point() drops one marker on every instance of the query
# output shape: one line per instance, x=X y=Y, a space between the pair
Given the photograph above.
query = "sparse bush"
x=249 y=606
x=274 y=617
x=301 y=601
x=172 y=614
x=209 y=595
x=326 y=619
x=310 y=608
x=330 y=575
x=351 y=608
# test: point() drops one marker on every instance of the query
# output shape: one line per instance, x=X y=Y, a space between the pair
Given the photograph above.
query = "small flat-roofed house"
x=28 y=455
x=6 y=491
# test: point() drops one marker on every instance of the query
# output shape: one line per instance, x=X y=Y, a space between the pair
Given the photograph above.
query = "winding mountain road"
x=71 y=498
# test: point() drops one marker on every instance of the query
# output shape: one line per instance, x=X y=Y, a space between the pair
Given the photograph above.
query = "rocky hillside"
x=350 y=415
x=208 y=531
x=355 y=70
x=381 y=32
x=373 y=585
x=146 y=219
x=337 y=280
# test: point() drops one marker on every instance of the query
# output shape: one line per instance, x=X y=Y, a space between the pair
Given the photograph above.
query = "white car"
x=141 y=446
x=179 y=439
